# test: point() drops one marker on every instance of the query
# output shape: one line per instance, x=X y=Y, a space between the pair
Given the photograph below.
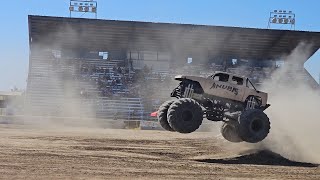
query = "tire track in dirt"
x=126 y=154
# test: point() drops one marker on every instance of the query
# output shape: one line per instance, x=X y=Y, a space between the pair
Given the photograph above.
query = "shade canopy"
x=209 y=41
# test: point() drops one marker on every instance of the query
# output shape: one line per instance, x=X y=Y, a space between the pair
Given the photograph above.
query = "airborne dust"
x=294 y=111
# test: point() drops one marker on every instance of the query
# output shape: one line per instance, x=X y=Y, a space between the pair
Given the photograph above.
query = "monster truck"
x=225 y=97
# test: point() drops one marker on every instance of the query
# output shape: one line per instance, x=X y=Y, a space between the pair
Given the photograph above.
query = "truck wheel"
x=162 y=115
x=229 y=131
x=254 y=125
x=185 y=115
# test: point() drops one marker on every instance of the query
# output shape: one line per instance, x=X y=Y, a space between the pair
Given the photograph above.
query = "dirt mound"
x=263 y=157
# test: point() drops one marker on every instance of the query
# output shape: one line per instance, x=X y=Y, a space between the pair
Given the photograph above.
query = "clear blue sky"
x=14 y=54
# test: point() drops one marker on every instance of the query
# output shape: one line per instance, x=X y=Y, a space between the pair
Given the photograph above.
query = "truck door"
x=239 y=83
x=220 y=85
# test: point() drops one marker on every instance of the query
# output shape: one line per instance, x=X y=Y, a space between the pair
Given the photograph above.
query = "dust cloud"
x=294 y=111
x=54 y=99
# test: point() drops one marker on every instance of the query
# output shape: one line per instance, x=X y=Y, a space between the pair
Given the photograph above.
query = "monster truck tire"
x=185 y=115
x=229 y=130
x=254 y=125
x=162 y=115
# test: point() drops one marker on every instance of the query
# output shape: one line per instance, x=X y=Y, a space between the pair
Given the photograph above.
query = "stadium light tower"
x=282 y=17
x=83 y=6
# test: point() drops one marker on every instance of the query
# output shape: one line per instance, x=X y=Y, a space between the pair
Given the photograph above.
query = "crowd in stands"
x=119 y=81
x=109 y=82
x=122 y=80
x=99 y=78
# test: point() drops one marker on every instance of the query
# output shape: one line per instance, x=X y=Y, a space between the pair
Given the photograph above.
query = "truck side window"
x=237 y=80
x=221 y=77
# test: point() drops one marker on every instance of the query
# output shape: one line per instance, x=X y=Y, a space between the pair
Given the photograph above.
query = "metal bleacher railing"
x=123 y=108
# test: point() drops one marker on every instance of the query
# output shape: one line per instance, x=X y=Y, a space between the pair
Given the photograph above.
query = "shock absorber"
x=188 y=91
x=251 y=103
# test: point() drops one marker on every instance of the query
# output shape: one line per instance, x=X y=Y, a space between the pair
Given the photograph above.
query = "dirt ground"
x=78 y=153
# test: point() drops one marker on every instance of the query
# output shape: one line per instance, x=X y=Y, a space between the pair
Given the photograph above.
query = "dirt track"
x=135 y=154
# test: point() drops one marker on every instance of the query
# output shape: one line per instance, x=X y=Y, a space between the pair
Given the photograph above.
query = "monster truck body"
x=223 y=97
x=223 y=86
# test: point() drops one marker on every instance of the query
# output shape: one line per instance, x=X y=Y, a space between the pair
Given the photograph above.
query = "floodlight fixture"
x=280 y=20
x=83 y=6
x=94 y=9
x=282 y=17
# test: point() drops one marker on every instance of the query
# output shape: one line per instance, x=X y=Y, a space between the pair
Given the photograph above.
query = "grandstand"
x=68 y=76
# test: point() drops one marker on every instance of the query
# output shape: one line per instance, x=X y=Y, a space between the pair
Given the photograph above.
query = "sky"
x=14 y=53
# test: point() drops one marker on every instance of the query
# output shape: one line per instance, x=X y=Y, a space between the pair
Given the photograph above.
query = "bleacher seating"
x=55 y=83
x=111 y=89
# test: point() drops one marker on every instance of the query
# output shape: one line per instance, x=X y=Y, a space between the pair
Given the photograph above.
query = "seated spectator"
x=119 y=70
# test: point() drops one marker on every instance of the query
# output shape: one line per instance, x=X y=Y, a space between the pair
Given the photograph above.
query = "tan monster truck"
x=221 y=97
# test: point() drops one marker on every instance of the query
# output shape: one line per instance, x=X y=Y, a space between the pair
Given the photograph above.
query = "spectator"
x=119 y=70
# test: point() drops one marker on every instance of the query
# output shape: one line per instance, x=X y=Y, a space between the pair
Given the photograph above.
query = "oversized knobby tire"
x=254 y=125
x=162 y=115
x=229 y=130
x=185 y=115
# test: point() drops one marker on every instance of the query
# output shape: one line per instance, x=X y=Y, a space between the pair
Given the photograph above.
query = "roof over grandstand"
x=115 y=35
